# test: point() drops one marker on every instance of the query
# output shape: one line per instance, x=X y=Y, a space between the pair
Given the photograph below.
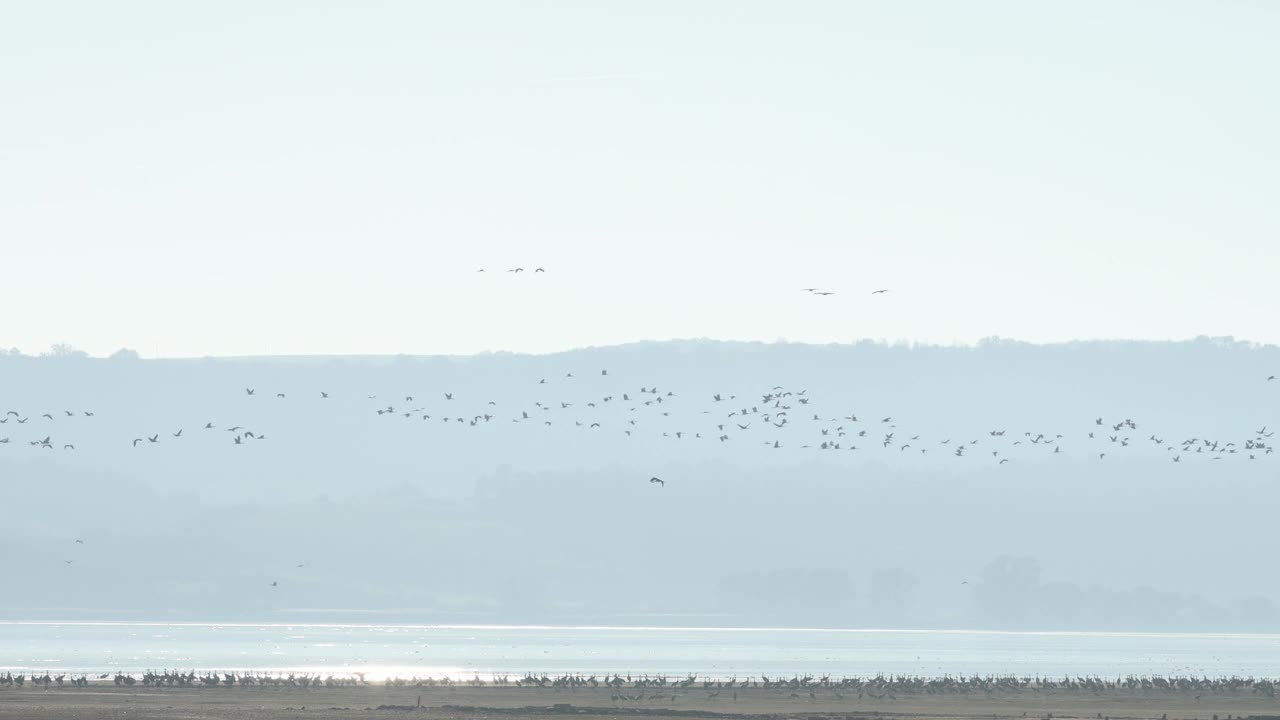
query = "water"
x=464 y=651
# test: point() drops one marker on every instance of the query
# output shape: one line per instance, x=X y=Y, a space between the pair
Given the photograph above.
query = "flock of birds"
x=661 y=688
x=773 y=419
x=776 y=418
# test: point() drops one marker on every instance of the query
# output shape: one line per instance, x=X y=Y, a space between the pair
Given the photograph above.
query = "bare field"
x=511 y=703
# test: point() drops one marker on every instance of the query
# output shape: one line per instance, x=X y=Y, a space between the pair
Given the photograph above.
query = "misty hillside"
x=511 y=488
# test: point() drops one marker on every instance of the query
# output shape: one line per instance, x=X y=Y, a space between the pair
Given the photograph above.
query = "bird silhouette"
x=658 y=481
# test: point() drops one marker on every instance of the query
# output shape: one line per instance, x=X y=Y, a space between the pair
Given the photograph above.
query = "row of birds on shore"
x=656 y=687
x=779 y=417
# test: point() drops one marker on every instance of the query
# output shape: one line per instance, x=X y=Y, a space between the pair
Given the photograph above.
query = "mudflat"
x=515 y=703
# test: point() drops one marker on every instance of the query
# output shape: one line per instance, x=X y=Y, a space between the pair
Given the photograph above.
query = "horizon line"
x=1220 y=340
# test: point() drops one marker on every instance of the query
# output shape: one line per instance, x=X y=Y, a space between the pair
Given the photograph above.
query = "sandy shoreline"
x=512 y=703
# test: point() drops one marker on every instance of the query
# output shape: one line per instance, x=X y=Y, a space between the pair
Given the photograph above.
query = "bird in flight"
x=879 y=292
x=248 y=391
x=658 y=481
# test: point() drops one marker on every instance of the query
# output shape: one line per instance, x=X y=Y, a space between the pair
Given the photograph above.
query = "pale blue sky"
x=324 y=177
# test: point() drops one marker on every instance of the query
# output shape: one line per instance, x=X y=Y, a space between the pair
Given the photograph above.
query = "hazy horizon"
x=71 y=350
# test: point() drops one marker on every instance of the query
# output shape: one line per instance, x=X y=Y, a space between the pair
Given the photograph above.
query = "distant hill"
x=505 y=517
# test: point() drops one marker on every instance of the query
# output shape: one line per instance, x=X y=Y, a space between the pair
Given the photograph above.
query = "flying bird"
x=658 y=480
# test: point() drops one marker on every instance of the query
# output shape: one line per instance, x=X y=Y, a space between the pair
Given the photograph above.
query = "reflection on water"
x=462 y=652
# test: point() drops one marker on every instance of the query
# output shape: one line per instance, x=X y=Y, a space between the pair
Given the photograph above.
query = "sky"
x=246 y=178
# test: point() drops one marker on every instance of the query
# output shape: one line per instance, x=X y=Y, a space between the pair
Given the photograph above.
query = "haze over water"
x=463 y=652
